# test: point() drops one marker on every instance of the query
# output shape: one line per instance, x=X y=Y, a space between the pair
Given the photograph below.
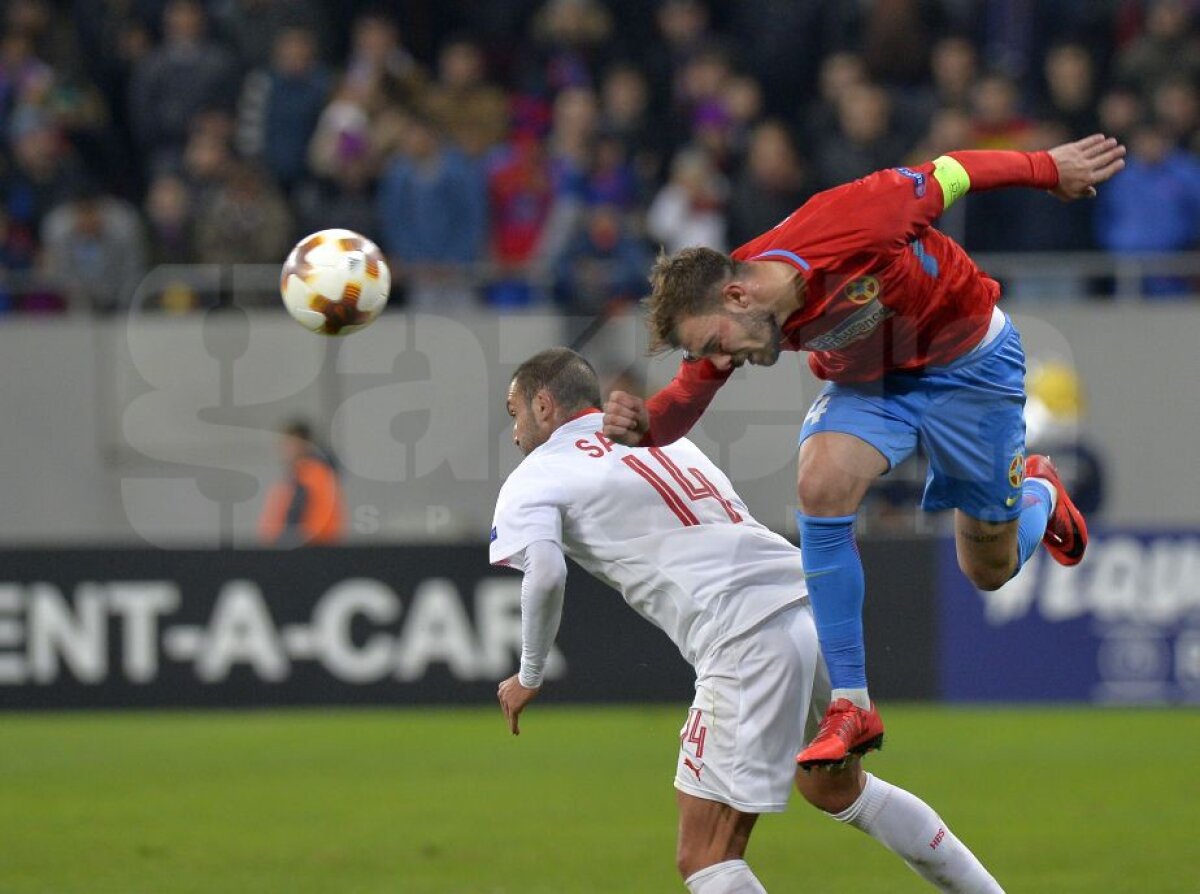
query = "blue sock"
x=835 y=587
x=1035 y=514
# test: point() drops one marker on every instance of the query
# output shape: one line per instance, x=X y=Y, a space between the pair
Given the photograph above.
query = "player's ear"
x=734 y=295
x=543 y=405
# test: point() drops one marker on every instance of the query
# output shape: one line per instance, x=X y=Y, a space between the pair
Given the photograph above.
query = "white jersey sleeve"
x=541 y=607
x=529 y=509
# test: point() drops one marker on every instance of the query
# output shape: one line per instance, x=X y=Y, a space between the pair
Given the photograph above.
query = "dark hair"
x=683 y=285
x=565 y=374
x=297 y=428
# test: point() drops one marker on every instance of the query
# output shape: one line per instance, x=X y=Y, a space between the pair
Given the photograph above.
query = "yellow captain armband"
x=953 y=177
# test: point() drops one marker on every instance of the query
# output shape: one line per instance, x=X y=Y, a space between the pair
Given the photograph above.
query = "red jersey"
x=885 y=291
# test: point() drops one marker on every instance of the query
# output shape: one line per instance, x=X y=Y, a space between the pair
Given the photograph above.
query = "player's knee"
x=986 y=575
x=823 y=494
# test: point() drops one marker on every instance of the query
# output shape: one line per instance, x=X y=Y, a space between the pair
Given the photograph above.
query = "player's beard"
x=762 y=325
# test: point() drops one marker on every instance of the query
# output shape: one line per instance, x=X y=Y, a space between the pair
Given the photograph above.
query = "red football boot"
x=847 y=729
x=1066 y=534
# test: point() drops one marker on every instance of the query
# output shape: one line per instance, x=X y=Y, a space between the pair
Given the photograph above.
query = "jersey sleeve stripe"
x=784 y=253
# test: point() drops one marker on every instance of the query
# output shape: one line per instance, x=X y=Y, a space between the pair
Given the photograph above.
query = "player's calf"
x=832 y=789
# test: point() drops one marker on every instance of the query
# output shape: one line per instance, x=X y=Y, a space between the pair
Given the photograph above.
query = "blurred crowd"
x=538 y=152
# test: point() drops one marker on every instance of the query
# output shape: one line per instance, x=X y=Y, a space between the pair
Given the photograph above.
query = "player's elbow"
x=547 y=565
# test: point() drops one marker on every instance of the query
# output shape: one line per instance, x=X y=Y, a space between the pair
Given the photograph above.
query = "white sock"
x=730 y=877
x=1050 y=487
x=857 y=697
x=909 y=827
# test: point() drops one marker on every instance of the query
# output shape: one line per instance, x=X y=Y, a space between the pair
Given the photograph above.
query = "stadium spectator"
x=569 y=149
x=683 y=32
x=306 y=506
x=863 y=140
x=207 y=157
x=999 y=122
x=112 y=41
x=626 y=114
x=690 y=209
x=1070 y=90
x=254 y=26
x=280 y=106
x=344 y=128
x=771 y=186
x=186 y=74
x=838 y=72
x=168 y=211
x=954 y=67
x=603 y=269
x=521 y=198
x=743 y=101
x=97 y=242
x=896 y=40
x=611 y=179
x=569 y=42
x=1168 y=47
x=43 y=172
x=699 y=96
x=1154 y=205
x=244 y=220
x=380 y=72
x=344 y=198
x=760 y=678
x=432 y=213
x=470 y=110
x=1120 y=110
x=1176 y=104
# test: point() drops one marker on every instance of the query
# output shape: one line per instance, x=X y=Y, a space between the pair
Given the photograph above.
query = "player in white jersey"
x=665 y=528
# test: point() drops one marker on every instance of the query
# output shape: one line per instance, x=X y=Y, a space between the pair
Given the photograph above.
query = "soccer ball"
x=335 y=282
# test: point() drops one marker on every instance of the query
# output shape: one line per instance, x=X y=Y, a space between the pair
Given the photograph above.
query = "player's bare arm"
x=625 y=418
x=513 y=698
x=1085 y=164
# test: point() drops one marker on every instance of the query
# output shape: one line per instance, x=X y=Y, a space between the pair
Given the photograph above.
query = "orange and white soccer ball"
x=335 y=282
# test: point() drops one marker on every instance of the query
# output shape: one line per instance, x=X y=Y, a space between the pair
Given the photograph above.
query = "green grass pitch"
x=1054 y=800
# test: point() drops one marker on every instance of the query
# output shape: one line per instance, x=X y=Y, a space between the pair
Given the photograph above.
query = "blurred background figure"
x=1055 y=425
x=864 y=138
x=690 y=208
x=772 y=185
x=243 y=219
x=472 y=111
x=188 y=73
x=1154 y=205
x=306 y=506
x=433 y=213
x=281 y=104
x=97 y=242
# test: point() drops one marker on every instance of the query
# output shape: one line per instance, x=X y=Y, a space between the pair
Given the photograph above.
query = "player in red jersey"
x=904 y=327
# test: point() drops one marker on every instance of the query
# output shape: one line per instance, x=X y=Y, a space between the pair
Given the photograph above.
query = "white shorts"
x=759 y=698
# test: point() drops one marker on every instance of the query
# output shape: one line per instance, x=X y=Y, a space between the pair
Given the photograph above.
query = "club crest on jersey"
x=863 y=289
x=917 y=178
x=494 y=535
x=1016 y=470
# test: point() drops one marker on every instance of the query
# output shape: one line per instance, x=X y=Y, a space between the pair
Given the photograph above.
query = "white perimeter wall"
x=161 y=430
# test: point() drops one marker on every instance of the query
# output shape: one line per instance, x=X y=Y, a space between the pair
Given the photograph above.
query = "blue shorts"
x=968 y=418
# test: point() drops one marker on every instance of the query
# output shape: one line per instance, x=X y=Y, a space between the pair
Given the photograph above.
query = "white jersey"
x=661 y=525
